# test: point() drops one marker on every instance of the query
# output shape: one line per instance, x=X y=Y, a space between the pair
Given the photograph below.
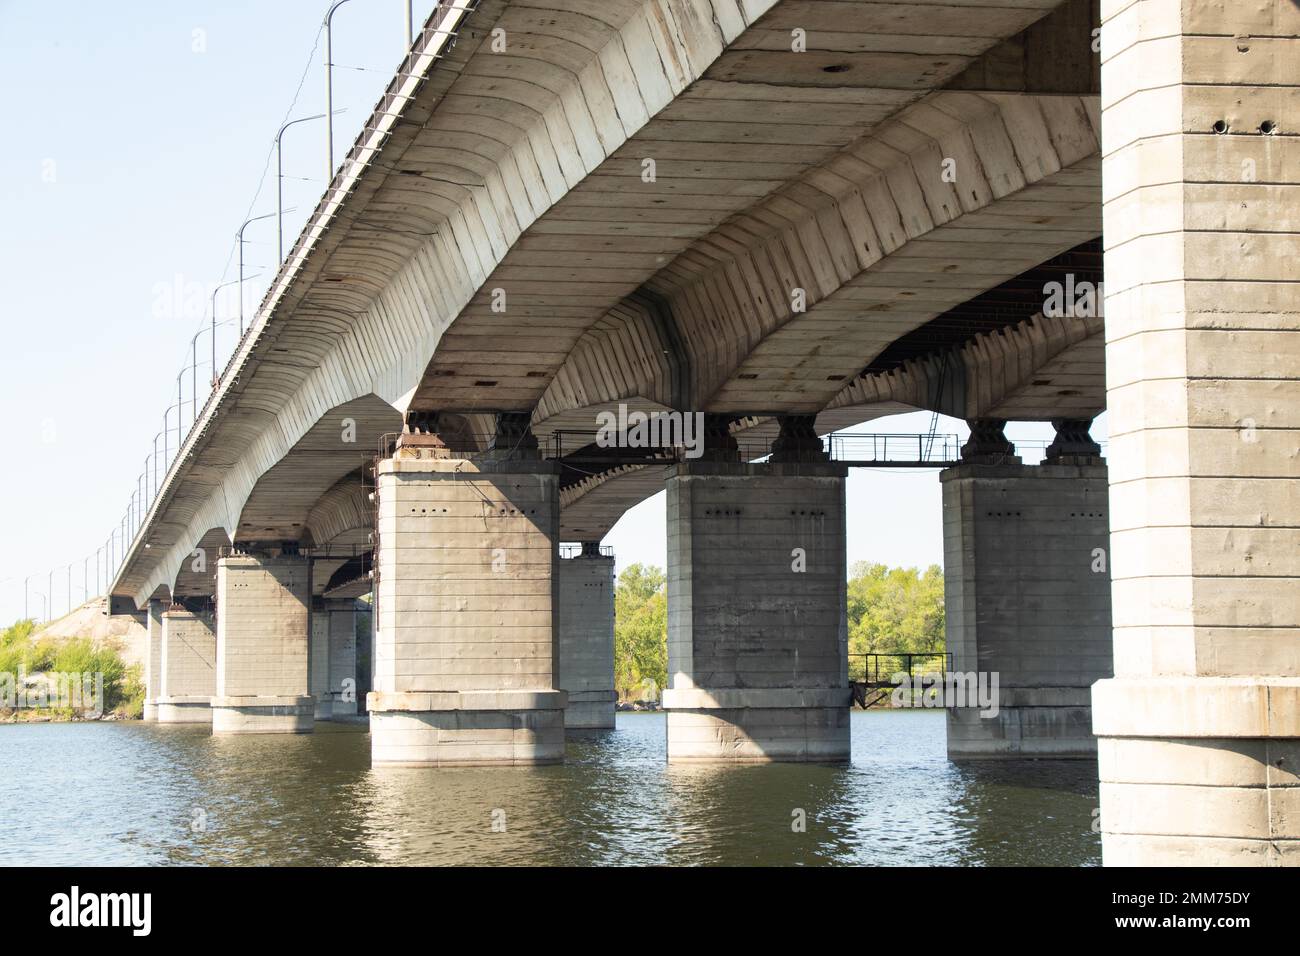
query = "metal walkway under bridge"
x=856 y=450
x=874 y=677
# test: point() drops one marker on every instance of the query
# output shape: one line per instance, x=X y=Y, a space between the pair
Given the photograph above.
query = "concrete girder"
x=340 y=513
x=339 y=444
x=1018 y=373
x=387 y=264
x=727 y=138
x=279 y=478
x=197 y=574
x=875 y=243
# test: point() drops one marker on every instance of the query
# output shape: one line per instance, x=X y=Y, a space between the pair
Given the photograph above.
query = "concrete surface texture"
x=465 y=657
x=1198 y=729
x=262 y=645
x=586 y=637
x=1027 y=597
x=187 y=667
x=757 y=638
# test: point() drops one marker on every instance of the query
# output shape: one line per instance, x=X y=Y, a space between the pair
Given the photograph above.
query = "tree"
x=894 y=611
x=640 y=631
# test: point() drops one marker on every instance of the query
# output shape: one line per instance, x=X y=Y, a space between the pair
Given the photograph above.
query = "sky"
x=135 y=139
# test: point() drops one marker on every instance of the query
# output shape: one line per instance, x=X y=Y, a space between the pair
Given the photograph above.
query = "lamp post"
x=215 y=290
x=166 y=433
x=329 y=87
x=240 y=237
x=180 y=406
x=279 y=184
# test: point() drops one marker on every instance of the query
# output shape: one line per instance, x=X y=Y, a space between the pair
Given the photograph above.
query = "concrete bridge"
x=791 y=217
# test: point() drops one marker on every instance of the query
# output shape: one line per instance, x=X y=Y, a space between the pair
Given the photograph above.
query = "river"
x=143 y=794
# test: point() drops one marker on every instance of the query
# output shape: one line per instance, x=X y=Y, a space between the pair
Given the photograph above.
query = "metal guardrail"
x=577 y=550
x=880 y=670
x=855 y=449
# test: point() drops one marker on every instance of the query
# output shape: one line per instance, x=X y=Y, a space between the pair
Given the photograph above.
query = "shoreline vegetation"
x=37 y=672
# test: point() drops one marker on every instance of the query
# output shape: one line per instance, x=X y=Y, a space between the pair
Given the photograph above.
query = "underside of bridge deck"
x=789 y=217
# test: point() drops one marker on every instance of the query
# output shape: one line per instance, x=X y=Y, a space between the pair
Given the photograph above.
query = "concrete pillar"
x=465 y=658
x=187 y=667
x=1027 y=594
x=334 y=657
x=1199 y=731
x=153 y=659
x=262 y=645
x=586 y=635
x=320 y=660
x=757 y=637
x=343 y=656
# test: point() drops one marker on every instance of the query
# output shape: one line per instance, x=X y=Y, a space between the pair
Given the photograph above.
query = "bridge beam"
x=187 y=665
x=1199 y=731
x=465 y=657
x=262 y=645
x=1027 y=594
x=757 y=632
x=586 y=636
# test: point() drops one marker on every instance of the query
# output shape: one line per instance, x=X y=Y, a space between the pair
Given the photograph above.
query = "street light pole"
x=329 y=88
x=240 y=236
x=279 y=184
x=214 y=325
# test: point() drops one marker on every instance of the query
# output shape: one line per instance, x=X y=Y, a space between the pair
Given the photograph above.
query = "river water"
x=135 y=793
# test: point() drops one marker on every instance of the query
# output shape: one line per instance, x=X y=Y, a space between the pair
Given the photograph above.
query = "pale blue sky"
x=135 y=136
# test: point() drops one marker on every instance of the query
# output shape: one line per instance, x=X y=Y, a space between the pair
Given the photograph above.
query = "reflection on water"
x=149 y=794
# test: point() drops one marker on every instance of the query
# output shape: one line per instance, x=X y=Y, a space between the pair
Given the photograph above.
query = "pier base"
x=465 y=652
x=262 y=646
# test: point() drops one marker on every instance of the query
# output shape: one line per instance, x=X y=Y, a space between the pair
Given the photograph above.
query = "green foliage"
x=123 y=686
x=19 y=652
x=640 y=632
x=894 y=611
x=133 y=693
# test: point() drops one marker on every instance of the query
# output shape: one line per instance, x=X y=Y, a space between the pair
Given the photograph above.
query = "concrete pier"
x=1199 y=731
x=343 y=657
x=153 y=659
x=333 y=657
x=1027 y=595
x=262 y=645
x=465 y=655
x=586 y=636
x=187 y=665
x=319 y=652
x=757 y=642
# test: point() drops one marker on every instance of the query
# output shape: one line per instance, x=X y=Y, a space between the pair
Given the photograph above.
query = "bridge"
x=776 y=220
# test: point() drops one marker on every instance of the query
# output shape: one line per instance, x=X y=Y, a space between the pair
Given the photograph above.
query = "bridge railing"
x=884 y=670
x=577 y=550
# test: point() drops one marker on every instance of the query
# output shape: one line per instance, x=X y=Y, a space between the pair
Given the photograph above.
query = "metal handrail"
x=875 y=670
